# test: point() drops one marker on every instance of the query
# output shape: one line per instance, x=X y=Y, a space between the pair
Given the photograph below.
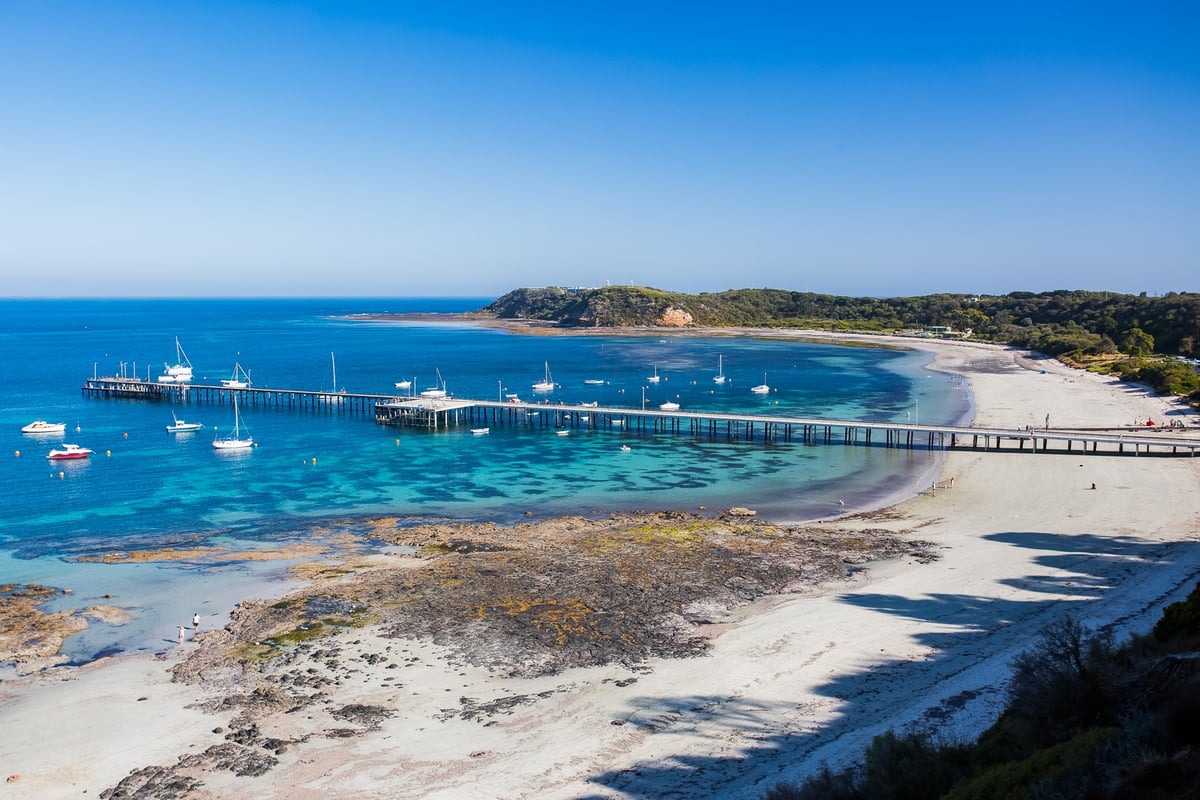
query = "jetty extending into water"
x=437 y=414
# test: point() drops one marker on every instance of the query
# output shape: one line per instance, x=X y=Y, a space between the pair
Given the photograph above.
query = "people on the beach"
x=181 y=634
x=196 y=621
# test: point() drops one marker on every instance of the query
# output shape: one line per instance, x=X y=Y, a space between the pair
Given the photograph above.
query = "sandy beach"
x=786 y=682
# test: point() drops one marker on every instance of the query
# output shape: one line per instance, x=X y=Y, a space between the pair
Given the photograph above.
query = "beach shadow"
x=972 y=628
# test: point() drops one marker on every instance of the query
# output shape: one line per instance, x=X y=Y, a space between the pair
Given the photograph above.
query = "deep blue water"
x=147 y=487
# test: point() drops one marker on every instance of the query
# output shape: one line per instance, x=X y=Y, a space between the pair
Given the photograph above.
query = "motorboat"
x=762 y=388
x=546 y=384
x=593 y=382
x=179 y=426
x=481 y=431
x=720 y=376
x=239 y=380
x=41 y=426
x=562 y=432
x=236 y=440
x=625 y=448
x=69 y=452
x=180 y=371
x=670 y=405
x=402 y=384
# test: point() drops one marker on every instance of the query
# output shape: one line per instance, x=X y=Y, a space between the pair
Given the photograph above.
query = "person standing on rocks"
x=196 y=621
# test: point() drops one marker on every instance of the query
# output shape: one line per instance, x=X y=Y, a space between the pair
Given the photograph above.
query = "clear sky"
x=213 y=148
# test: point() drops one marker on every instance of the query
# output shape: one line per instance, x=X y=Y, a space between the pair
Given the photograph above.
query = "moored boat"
x=546 y=384
x=481 y=431
x=179 y=426
x=670 y=405
x=762 y=388
x=69 y=452
x=439 y=389
x=654 y=378
x=235 y=441
x=720 y=376
x=239 y=380
x=180 y=371
x=42 y=426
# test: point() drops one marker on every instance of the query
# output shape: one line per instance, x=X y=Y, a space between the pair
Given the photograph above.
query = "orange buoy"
x=108 y=452
x=62 y=475
x=126 y=435
x=18 y=454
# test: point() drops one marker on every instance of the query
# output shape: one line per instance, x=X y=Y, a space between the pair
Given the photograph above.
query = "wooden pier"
x=444 y=413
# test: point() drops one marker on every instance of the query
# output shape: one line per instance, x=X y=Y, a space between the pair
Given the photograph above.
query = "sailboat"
x=179 y=426
x=239 y=380
x=546 y=384
x=236 y=441
x=720 y=376
x=336 y=395
x=762 y=388
x=402 y=384
x=181 y=371
x=654 y=378
x=439 y=389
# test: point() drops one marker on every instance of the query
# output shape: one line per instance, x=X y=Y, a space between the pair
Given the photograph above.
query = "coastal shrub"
x=1062 y=684
x=1180 y=622
x=1170 y=377
x=1068 y=769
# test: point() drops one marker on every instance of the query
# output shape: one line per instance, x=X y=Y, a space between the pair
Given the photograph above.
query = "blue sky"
x=214 y=148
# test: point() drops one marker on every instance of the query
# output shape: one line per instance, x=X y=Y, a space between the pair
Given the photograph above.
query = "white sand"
x=790 y=683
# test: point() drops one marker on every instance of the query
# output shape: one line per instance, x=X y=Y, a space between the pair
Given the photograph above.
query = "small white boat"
x=563 y=432
x=625 y=448
x=593 y=382
x=239 y=380
x=402 y=384
x=481 y=431
x=654 y=378
x=41 y=426
x=179 y=426
x=512 y=398
x=720 y=376
x=762 y=388
x=546 y=384
x=670 y=405
x=69 y=452
x=235 y=441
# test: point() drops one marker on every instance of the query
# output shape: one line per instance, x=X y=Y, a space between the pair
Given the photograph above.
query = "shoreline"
x=789 y=681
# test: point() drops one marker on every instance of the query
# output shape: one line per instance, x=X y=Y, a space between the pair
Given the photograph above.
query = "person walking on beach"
x=181 y=634
x=196 y=621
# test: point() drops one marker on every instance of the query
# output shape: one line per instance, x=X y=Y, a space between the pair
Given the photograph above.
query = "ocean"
x=146 y=488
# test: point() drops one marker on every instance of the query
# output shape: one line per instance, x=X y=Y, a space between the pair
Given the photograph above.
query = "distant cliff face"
x=607 y=307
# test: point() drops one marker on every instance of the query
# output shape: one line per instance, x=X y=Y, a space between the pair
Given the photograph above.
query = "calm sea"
x=145 y=487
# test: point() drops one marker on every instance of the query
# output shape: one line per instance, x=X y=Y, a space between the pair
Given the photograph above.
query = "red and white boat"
x=68 y=452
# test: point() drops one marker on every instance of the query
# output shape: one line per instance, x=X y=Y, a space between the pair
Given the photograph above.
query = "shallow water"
x=145 y=487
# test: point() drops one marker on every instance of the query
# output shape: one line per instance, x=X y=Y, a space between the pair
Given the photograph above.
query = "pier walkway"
x=451 y=412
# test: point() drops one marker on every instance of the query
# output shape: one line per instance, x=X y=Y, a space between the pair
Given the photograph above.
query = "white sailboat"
x=335 y=396
x=235 y=441
x=720 y=376
x=180 y=371
x=762 y=388
x=239 y=380
x=439 y=389
x=546 y=384
x=654 y=378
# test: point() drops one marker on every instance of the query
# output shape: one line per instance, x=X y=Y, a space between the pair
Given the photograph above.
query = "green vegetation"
x=1084 y=719
x=1079 y=326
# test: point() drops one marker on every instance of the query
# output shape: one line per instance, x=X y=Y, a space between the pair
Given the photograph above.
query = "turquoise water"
x=145 y=487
